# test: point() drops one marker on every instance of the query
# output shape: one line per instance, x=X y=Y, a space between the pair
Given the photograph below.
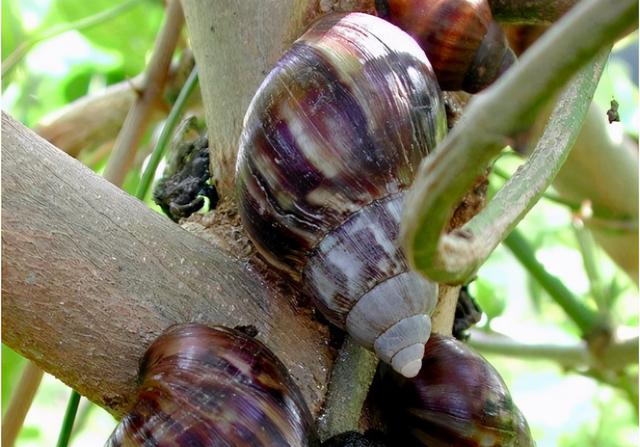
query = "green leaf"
x=491 y=298
x=131 y=34
x=12 y=365
x=12 y=30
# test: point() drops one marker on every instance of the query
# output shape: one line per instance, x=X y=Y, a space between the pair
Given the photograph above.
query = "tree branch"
x=155 y=78
x=616 y=356
x=91 y=277
x=96 y=119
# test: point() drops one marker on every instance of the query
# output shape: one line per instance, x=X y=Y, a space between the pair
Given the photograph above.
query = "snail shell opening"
x=331 y=140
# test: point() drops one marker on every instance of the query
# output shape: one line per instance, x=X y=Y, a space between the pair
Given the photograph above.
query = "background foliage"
x=564 y=408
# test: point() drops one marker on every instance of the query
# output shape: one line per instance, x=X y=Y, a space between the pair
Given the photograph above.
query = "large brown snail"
x=467 y=48
x=458 y=399
x=213 y=386
x=331 y=140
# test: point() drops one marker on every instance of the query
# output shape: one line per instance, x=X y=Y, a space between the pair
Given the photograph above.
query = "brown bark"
x=90 y=276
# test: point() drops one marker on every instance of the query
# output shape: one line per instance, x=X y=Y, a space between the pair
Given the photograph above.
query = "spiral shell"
x=458 y=399
x=212 y=386
x=467 y=48
x=331 y=140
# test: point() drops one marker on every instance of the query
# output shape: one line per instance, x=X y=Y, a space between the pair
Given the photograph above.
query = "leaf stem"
x=585 y=318
x=10 y=62
x=165 y=135
x=69 y=418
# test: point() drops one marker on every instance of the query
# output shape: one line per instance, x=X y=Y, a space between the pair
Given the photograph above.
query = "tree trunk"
x=91 y=277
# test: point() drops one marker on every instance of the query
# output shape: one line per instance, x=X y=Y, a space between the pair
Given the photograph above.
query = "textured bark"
x=235 y=44
x=90 y=276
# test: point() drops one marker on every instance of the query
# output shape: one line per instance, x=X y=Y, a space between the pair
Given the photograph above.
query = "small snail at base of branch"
x=331 y=140
x=467 y=48
x=458 y=399
x=213 y=386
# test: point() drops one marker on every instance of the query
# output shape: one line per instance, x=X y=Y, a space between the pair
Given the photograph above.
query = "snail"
x=458 y=399
x=206 y=386
x=331 y=140
x=467 y=48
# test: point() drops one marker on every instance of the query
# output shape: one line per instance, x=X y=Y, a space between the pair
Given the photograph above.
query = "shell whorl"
x=331 y=139
x=467 y=48
x=214 y=386
x=458 y=399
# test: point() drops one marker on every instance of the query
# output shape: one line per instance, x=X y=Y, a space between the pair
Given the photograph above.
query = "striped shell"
x=458 y=399
x=203 y=386
x=331 y=140
x=467 y=48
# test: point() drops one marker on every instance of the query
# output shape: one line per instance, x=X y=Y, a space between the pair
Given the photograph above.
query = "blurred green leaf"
x=12 y=365
x=490 y=297
x=132 y=33
x=12 y=30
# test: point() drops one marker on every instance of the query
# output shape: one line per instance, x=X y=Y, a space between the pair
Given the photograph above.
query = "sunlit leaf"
x=12 y=31
x=490 y=297
x=132 y=33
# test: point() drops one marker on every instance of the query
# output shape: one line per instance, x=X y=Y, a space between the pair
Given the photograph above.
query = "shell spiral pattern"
x=212 y=386
x=458 y=399
x=467 y=48
x=331 y=140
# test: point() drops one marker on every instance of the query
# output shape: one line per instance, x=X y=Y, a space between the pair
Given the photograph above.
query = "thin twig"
x=585 y=318
x=21 y=400
x=69 y=418
x=165 y=135
x=351 y=377
x=503 y=110
x=616 y=356
x=155 y=77
x=14 y=58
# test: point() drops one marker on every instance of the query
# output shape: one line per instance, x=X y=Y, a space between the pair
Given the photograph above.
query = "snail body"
x=213 y=386
x=467 y=48
x=457 y=399
x=330 y=142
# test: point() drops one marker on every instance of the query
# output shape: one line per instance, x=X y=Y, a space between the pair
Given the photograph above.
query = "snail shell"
x=457 y=399
x=331 y=140
x=467 y=48
x=212 y=386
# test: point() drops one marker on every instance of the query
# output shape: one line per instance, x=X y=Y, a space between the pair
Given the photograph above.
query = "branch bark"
x=90 y=276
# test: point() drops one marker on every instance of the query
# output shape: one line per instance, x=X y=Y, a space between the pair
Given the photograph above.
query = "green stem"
x=165 y=135
x=69 y=417
x=491 y=118
x=573 y=206
x=351 y=377
x=14 y=58
x=585 y=318
x=588 y=249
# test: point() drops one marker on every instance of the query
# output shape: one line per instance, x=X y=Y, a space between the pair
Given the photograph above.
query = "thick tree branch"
x=91 y=276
